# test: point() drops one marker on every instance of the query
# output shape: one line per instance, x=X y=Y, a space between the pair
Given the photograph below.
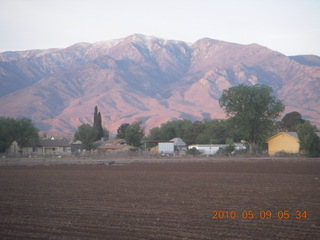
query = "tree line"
x=252 y=111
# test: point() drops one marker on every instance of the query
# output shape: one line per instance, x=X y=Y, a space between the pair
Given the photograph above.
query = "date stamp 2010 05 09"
x=248 y=214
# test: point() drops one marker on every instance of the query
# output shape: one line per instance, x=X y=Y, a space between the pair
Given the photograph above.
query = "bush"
x=194 y=152
x=227 y=150
x=283 y=154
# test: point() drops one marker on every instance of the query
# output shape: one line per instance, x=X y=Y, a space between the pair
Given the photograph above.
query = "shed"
x=179 y=144
x=283 y=141
x=166 y=147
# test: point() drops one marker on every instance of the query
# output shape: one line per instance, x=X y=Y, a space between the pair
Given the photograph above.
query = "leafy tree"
x=121 y=131
x=95 y=117
x=106 y=133
x=155 y=134
x=99 y=127
x=253 y=111
x=87 y=134
x=26 y=132
x=193 y=132
x=198 y=132
x=290 y=122
x=309 y=140
x=21 y=130
x=216 y=131
x=134 y=134
x=169 y=130
x=97 y=123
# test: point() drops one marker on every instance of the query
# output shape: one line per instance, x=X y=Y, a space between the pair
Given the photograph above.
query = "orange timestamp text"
x=268 y=214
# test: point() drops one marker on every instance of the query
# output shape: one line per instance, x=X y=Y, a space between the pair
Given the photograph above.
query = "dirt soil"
x=162 y=200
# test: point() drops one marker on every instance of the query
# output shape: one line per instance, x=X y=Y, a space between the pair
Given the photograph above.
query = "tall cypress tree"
x=99 y=126
x=95 y=117
x=97 y=123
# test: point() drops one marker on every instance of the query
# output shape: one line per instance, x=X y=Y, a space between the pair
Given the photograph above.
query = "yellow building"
x=283 y=141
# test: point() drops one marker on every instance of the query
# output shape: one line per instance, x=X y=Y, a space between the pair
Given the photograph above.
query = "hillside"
x=149 y=79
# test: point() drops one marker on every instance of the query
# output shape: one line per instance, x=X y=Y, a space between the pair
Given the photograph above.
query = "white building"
x=207 y=149
x=166 y=147
x=211 y=149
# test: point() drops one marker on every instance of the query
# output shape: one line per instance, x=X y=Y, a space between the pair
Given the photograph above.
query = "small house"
x=284 y=142
x=114 y=145
x=45 y=146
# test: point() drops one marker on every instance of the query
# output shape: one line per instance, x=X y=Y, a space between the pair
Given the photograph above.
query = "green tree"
x=216 y=131
x=199 y=132
x=197 y=128
x=155 y=134
x=106 y=133
x=26 y=132
x=309 y=140
x=87 y=134
x=99 y=127
x=21 y=130
x=253 y=111
x=121 y=131
x=169 y=130
x=290 y=122
x=134 y=134
x=97 y=123
x=95 y=117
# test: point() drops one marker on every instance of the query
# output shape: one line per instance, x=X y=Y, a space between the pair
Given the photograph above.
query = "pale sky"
x=291 y=27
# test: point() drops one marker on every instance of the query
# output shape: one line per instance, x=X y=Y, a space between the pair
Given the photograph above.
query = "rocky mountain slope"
x=149 y=79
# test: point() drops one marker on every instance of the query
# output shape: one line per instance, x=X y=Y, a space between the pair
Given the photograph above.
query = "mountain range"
x=149 y=79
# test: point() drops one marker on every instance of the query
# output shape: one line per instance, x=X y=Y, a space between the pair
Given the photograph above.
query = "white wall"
x=206 y=149
x=166 y=147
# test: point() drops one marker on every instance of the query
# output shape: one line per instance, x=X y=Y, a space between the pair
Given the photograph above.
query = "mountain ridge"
x=147 y=78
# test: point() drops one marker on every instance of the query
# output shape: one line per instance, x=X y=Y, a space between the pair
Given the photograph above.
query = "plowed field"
x=162 y=201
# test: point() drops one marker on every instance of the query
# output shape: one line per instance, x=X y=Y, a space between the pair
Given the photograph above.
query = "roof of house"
x=291 y=134
x=239 y=145
x=207 y=145
x=178 y=142
x=114 y=147
x=50 y=142
x=76 y=142
x=114 y=144
x=55 y=142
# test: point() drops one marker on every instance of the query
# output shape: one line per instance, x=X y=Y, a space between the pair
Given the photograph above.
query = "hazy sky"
x=291 y=27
